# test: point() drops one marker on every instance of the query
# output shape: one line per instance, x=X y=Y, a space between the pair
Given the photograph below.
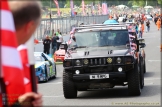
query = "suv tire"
x=134 y=81
x=144 y=66
x=142 y=73
x=70 y=91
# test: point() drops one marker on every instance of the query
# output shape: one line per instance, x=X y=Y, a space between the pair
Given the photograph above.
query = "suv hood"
x=104 y=52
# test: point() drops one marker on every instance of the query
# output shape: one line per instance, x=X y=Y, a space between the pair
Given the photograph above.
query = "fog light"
x=120 y=69
x=118 y=60
x=78 y=63
x=77 y=72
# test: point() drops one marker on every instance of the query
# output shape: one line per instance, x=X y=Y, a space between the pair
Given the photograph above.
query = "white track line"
x=147 y=79
x=154 y=60
x=52 y=96
x=51 y=83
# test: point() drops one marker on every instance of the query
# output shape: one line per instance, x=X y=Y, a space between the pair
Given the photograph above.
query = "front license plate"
x=102 y=76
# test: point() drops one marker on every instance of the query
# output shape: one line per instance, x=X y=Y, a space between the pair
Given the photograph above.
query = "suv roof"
x=101 y=29
x=101 y=25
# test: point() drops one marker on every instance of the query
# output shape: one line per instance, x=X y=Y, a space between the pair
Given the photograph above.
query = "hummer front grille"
x=99 y=61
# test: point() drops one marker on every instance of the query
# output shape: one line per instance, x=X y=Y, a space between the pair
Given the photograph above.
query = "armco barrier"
x=64 y=24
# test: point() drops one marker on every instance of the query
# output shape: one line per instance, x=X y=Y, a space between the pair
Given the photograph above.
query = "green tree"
x=159 y=1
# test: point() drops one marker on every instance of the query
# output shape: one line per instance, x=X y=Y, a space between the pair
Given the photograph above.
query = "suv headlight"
x=118 y=60
x=77 y=62
x=128 y=60
x=67 y=63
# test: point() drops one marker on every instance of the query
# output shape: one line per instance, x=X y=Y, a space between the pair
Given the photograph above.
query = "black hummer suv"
x=101 y=58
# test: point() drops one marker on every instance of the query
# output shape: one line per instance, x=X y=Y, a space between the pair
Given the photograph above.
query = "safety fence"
x=65 y=24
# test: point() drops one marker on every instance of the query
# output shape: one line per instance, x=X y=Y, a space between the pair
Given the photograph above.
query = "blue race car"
x=44 y=66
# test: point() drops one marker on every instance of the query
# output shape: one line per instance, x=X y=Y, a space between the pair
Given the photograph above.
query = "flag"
x=10 y=57
x=99 y=9
x=83 y=7
x=57 y=5
x=24 y=58
x=1 y=101
x=92 y=8
x=30 y=47
x=104 y=9
x=71 y=35
x=72 y=8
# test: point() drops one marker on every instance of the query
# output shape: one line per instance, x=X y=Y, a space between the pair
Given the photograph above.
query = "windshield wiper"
x=81 y=47
x=105 y=45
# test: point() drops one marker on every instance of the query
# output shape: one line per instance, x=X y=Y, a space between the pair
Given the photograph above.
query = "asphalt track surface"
x=151 y=93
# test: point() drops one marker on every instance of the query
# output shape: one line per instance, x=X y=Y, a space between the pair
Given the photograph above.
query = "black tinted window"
x=102 y=38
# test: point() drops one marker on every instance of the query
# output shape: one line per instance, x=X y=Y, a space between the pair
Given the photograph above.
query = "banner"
x=92 y=8
x=83 y=7
x=72 y=8
x=57 y=5
x=99 y=12
x=104 y=9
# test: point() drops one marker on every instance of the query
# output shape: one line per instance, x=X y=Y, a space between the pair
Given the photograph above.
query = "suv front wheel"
x=134 y=87
x=70 y=91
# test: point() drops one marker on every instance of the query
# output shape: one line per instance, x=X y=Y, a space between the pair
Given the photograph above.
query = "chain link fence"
x=65 y=24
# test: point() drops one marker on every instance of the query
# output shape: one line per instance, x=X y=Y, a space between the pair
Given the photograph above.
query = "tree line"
x=129 y=3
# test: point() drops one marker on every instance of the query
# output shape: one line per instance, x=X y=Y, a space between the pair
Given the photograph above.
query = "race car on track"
x=44 y=66
x=59 y=55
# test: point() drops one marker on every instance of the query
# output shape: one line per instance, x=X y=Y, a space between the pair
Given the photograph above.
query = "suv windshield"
x=101 y=38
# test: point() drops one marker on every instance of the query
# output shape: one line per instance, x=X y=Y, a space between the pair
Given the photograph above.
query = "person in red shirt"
x=25 y=26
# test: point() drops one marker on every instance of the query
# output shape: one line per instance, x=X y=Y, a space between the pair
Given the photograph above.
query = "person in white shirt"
x=140 y=30
x=59 y=41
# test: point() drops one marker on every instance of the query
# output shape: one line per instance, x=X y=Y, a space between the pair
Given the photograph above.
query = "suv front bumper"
x=112 y=76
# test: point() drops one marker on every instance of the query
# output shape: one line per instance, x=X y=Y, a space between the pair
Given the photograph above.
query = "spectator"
x=59 y=41
x=148 y=25
x=143 y=28
x=140 y=30
x=58 y=32
x=53 y=32
x=158 y=24
x=46 y=43
x=54 y=43
x=24 y=30
x=136 y=28
x=155 y=19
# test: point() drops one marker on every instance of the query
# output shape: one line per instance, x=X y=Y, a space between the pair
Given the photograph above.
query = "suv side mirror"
x=64 y=46
x=141 y=43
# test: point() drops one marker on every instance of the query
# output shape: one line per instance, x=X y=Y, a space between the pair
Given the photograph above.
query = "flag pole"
x=2 y=83
x=30 y=49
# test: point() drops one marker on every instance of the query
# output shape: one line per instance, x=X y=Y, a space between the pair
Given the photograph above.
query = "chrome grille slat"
x=100 y=61
x=104 y=60
x=96 y=61
x=91 y=61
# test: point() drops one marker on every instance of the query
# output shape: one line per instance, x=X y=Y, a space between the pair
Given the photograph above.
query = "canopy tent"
x=135 y=6
x=121 y=6
x=148 y=7
x=110 y=22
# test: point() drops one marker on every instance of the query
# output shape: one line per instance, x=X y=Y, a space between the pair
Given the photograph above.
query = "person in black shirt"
x=148 y=25
x=155 y=19
x=54 y=43
x=46 y=43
